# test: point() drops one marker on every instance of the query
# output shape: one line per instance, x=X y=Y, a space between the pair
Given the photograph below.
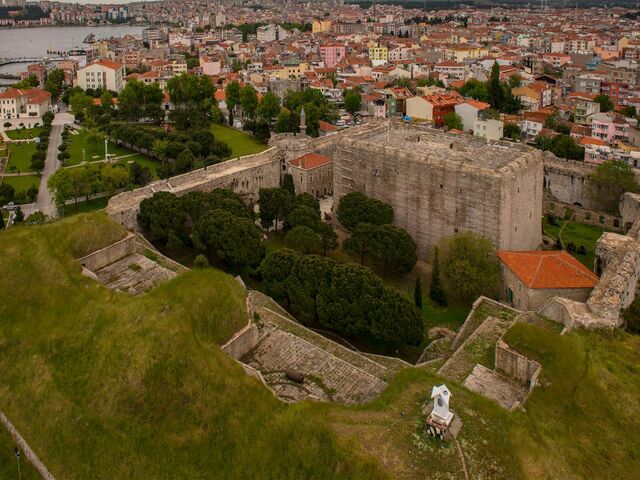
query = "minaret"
x=303 y=122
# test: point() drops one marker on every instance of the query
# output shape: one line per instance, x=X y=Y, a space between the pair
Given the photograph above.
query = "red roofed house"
x=531 y=278
x=312 y=173
x=102 y=74
x=24 y=103
x=433 y=107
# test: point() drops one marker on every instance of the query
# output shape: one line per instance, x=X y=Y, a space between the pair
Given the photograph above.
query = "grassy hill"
x=104 y=385
x=110 y=386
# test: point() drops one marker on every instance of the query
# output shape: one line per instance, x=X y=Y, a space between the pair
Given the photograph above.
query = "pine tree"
x=436 y=292
x=417 y=293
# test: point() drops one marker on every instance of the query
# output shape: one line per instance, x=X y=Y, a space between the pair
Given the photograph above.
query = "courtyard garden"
x=577 y=234
x=23 y=133
x=90 y=148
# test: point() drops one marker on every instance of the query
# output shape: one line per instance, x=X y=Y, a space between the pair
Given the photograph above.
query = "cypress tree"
x=417 y=293
x=287 y=183
x=436 y=292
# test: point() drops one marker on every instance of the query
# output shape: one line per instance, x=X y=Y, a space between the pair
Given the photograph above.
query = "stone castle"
x=440 y=184
x=437 y=184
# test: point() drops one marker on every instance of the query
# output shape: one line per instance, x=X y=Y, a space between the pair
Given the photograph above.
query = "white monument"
x=441 y=397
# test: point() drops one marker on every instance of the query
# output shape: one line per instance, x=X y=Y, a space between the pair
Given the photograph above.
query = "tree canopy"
x=344 y=297
x=609 y=181
x=356 y=207
x=470 y=266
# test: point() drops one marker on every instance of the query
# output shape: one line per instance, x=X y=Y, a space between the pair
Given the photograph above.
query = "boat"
x=91 y=38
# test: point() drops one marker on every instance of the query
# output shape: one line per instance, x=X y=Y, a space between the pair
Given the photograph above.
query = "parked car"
x=9 y=207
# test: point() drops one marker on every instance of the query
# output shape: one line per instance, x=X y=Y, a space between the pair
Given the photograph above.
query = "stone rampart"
x=516 y=365
x=245 y=176
x=584 y=215
x=107 y=255
x=243 y=341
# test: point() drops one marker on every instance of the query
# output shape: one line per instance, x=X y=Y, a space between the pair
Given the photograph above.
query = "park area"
x=20 y=157
x=569 y=231
x=240 y=143
x=23 y=133
x=21 y=184
x=82 y=147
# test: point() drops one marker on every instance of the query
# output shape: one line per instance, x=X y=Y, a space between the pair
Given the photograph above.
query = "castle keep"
x=439 y=185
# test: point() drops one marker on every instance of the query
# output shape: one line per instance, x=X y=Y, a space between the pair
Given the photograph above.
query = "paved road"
x=45 y=201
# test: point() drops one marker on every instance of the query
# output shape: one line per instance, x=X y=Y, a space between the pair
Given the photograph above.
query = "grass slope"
x=110 y=386
x=580 y=424
x=240 y=143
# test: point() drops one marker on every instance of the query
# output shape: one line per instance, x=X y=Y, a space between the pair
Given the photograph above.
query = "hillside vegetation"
x=104 y=385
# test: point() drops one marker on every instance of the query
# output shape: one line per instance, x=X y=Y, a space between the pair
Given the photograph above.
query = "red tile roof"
x=310 y=160
x=548 y=269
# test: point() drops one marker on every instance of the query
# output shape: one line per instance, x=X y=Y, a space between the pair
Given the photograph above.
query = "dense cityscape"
x=262 y=239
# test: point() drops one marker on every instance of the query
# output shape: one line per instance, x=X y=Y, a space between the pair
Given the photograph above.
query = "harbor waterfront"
x=34 y=42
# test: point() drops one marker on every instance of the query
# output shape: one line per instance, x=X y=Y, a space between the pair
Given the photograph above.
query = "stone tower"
x=303 y=122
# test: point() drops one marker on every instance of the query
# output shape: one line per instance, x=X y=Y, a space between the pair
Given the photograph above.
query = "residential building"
x=489 y=129
x=378 y=55
x=469 y=111
x=610 y=127
x=432 y=108
x=24 y=103
x=331 y=54
x=102 y=74
x=584 y=107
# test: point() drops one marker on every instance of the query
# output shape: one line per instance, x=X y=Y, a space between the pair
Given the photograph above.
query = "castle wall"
x=521 y=204
x=245 y=176
x=437 y=198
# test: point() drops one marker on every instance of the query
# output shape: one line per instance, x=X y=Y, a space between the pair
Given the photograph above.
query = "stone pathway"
x=327 y=377
x=134 y=274
x=505 y=392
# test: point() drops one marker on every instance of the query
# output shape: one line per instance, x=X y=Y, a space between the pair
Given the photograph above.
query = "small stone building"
x=313 y=174
x=531 y=278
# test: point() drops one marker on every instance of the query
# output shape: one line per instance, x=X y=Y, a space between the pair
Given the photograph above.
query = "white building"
x=30 y=103
x=102 y=74
x=488 y=129
x=469 y=111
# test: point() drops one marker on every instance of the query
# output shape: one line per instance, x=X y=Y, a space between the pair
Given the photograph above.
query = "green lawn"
x=85 y=207
x=145 y=161
x=23 y=133
x=92 y=152
x=20 y=158
x=22 y=183
x=579 y=234
x=240 y=143
x=9 y=462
